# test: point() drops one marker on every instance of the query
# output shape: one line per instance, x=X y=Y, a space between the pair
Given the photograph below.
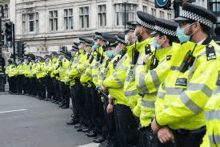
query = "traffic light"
x=163 y=4
x=8 y=31
x=23 y=46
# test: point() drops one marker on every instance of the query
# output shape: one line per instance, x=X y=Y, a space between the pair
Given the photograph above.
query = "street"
x=28 y=122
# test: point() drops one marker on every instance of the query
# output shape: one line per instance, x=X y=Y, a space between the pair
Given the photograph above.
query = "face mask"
x=109 y=53
x=134 y=36
x=181 y=34
x=156 y=45
x=95 y=45
x=79 y=47
x=127 y=41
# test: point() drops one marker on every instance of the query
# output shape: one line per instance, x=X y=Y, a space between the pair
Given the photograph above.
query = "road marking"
x=90 y=145
x=1 y=112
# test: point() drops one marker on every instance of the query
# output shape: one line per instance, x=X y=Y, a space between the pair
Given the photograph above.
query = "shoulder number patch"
x=210 y=53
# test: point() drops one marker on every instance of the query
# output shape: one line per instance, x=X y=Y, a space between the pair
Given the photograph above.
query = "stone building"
x=46 y=25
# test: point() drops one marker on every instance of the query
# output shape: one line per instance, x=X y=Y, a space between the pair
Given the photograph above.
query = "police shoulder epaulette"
x=147 y=49
x=210 y=53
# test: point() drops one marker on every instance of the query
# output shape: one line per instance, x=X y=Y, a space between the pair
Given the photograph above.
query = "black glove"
x=135 y=56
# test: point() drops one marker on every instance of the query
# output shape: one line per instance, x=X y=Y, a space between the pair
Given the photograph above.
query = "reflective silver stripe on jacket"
x=216 y=90
x=142 y=84
x=146 y=103
x=214 y=138
x=130 y=92
x=173 y=90
x=117 y=79
x=189 y=103
x=160 y=94
x=212 y=114
x=155 y=78
x=204 y=88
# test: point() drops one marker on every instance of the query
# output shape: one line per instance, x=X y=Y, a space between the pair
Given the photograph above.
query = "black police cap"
x=196 y=13
x=166 y=27
x=98 y=35
x=121 y=38
x=145 y=19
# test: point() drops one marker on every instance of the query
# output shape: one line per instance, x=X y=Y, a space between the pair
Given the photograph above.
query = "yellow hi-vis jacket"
x=115 y=81
x=212 y=120
x=148 y=82
x=187 y=91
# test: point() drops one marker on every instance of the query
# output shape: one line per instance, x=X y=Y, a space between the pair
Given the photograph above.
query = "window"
x=23 y=23
x=153 y=12
x=37 y=22
x=144 y=8
x=53 y=20
x=120 y=13
x=102 y=15
x=169 y=16
x=161 y=14
x=84 y=17
x=68 y=19
x=30 y=22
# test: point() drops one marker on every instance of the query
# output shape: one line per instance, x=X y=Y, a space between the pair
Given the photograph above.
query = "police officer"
x=188 y=85
x=149 y=79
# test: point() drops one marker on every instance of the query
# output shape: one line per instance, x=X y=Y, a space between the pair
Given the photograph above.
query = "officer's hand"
x=110 y=108
x=154 y=126
x=165 y=134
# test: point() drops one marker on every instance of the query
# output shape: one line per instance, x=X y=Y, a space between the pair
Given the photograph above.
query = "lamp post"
x=125 y=11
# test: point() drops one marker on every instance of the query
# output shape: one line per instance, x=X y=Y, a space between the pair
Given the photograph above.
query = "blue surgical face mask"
x=127 y=41
x=109 y=53
x=181 y=35
x=117 y=50
x=157 y=46
x=79 y=47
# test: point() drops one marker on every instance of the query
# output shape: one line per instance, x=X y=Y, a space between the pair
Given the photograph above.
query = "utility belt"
x=189 y=132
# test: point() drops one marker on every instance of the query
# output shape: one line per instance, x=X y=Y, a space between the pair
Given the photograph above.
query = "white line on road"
x=90 y=145
x=1 y=112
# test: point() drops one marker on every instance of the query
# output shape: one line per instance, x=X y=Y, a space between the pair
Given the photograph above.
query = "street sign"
x=163 y=4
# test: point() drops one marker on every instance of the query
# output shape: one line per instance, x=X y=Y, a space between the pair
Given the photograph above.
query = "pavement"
x=28 y=122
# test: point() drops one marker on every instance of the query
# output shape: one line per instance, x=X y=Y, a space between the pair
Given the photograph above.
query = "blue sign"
x=161 y=3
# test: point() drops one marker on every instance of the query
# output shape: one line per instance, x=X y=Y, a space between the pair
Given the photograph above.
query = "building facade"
x=7 y=13
x=46 y=25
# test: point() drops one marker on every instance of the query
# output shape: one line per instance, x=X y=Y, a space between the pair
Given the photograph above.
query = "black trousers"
x=74 y=104
x=97 y=111
x=56 y=90
x=126 y=126
x=110 y=122
x=20 y=82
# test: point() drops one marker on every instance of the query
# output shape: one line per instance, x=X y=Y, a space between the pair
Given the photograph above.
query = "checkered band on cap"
x=98 y=36
x=165 y=31
x=196 y=17
x=119 y=39
x=146 y=25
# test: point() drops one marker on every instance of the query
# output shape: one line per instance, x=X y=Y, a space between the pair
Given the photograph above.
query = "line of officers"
x=157 y=85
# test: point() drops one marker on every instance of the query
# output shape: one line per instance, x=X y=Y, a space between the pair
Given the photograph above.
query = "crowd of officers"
x=157 y=85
